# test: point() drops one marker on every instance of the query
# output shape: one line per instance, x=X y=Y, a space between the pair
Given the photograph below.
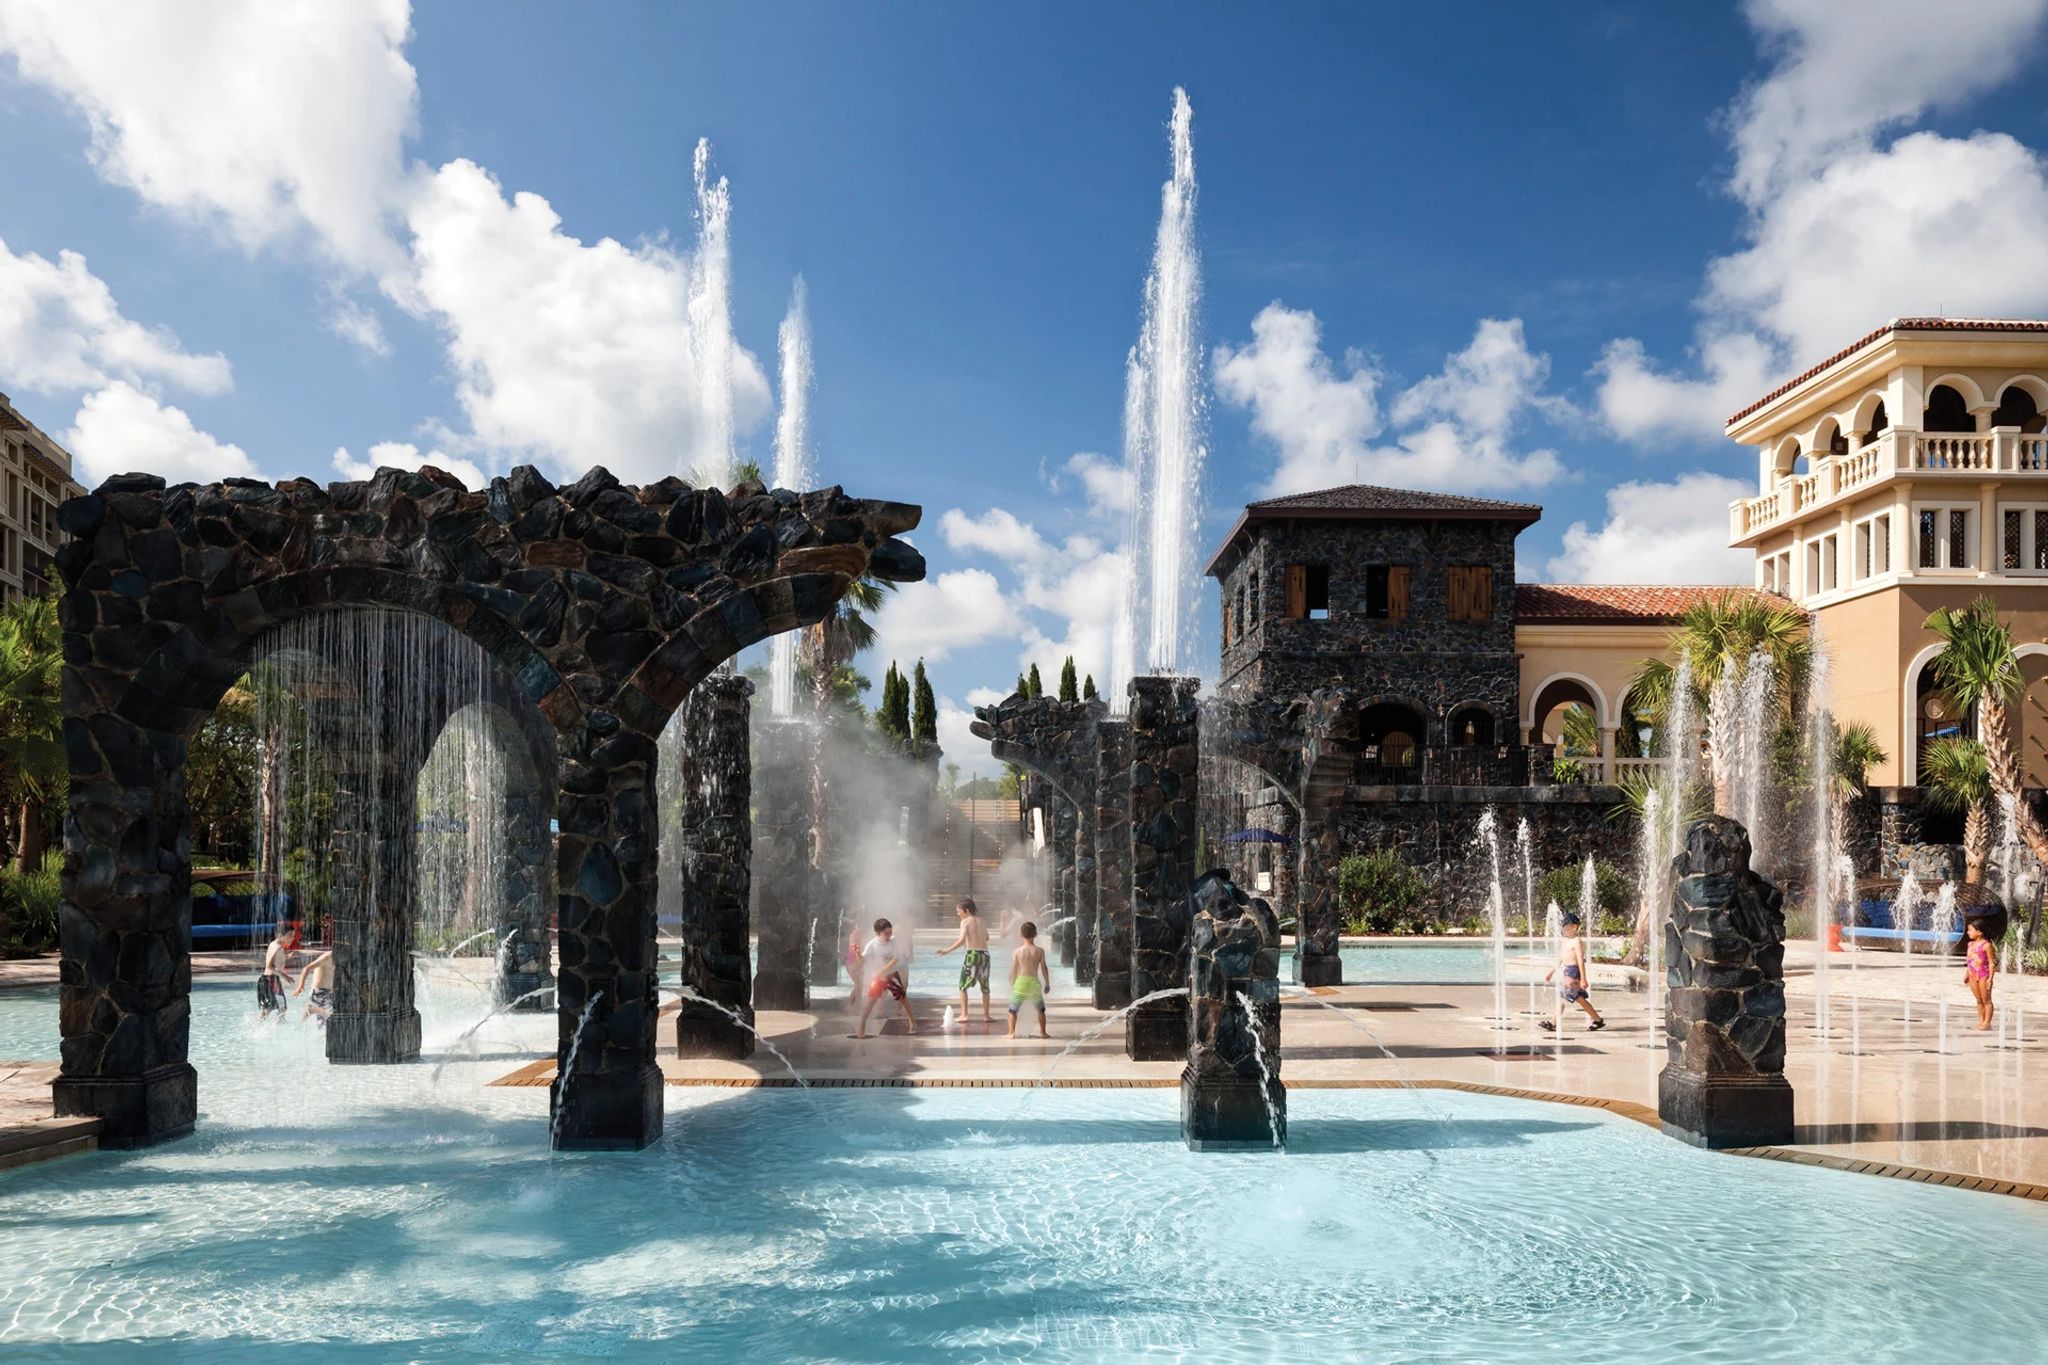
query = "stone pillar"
x=1230 y=1090
x=1319 y=920
x=1065 y=825
x=1164 y=800
x=524 y=951
x=715 y=772
x=607 y=1091
x=125 y=931
x=1112 y=986
x=1085 y=856
x=1724 y=1083
x=781 y=866
x=371 y=905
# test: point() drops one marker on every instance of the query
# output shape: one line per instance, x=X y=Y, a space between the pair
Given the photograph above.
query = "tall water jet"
x=710 y=311
x=792 y=464
x=1756 y=696
x=1164 y=448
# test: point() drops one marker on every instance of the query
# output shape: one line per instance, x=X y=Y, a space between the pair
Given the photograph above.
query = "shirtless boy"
x=276 y=958
x=1030 y=978
x=1573 y=979
x=320 y=971
x=974 y=967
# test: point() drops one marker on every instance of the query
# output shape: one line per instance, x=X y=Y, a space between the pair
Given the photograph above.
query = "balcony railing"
x=1918 y=453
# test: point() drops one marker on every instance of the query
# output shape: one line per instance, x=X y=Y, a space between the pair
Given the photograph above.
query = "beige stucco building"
x=35 y=477
x=1905 y=473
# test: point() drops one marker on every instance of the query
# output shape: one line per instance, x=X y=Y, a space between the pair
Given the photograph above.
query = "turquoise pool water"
x=382 y=1213
x=1430 y=964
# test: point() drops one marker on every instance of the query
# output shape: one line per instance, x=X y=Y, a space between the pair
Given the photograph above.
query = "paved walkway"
x=43 y=971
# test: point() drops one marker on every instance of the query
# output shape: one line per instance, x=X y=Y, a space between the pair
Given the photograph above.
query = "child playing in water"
x=974 y=967
x=1030 y=978
x=1980 y=971
x=887 y=970
x=1573 y=979
x=320 y=971
x=855 y=965
x=276 y=958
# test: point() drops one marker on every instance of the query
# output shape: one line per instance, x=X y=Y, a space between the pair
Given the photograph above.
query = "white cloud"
x=961 y=744
x=120 y=429
x=60 y=330
x=405 y=455
x=1673 y=532
x=358 y=326
x=1846 y=230
x=581 y=354
x=273 y=119
x=1324 y=419
x=985 y=696
x=1105 y=483
x=931 y=619
x=996 y=532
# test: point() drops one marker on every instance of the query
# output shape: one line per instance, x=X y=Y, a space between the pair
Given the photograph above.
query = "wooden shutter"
x=1457 y=594
x=1397 y=592
x=1481 y=596
x=1297 y=591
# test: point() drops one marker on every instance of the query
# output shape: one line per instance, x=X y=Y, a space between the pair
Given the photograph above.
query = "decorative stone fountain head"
x=1230 y=1090
x=1724 y=948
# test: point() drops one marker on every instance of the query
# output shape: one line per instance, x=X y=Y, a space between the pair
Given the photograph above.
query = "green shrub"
x=1614 y=893
x=30 y=902
x=1379 y=893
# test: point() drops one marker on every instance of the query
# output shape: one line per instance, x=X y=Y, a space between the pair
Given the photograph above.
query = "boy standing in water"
x=1573 y=978
x=1030 y=978
x=974 y=967
x=270 y=981
x=886 y=965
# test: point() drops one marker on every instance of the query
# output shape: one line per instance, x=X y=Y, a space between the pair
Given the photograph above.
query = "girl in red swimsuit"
x=1980 y=971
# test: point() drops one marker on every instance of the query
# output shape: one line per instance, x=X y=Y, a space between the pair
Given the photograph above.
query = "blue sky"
x=1536 y=252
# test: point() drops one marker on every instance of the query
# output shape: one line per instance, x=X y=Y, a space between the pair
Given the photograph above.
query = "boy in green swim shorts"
x=1030 y=978
x=974 y=968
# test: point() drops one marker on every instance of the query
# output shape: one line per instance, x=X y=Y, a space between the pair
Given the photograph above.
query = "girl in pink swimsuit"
x=1980 y=971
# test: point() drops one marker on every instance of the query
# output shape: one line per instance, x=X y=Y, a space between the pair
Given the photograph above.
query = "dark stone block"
x=1231 y=1115
x=1157 y=1032
x=135 y=1110
x=373 y=1038
x=608 y=1111
x=1323 y=969
x=1725 y=1112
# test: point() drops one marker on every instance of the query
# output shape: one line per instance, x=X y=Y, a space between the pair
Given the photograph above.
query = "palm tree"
x=1956 y=778
x=32 y=762
x=1978 y=670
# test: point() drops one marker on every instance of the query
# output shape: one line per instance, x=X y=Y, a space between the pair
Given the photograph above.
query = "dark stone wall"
x=781 y=863
x=1428 y=661
x=606 y=603
x=1165 y=795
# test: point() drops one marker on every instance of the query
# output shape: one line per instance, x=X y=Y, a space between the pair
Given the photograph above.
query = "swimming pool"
x=1421 y=964
x=381 y=1212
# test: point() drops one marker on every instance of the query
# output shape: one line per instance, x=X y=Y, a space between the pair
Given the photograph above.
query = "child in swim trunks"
x=974 y=967
x=1030 y=978
x=887 y=967
x=1980 y=971
x=1572 y=979
x=320 y=971
x=276 y=960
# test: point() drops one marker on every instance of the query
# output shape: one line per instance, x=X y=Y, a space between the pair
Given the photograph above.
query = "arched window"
x=1831 y=439
x=1472 y=725
x=2016 y=408
x=1879 y=422
x=1934 y=718
x=1947 y=411
x=1390 y=735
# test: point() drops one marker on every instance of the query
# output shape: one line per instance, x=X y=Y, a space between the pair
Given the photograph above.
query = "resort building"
x=1906 y=473
x=35 y=479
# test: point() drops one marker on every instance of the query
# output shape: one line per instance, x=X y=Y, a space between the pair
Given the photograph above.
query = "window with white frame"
x=1873 y=547
x=1943 y=534
x=2023 y=537
x=1830 y=562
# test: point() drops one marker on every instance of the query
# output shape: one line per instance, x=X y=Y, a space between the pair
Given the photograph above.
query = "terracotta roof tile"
x=1895 y=325
x=1620 y=604
x=1367 y=497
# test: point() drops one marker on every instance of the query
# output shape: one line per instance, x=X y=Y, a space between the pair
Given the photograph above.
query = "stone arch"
x=601 y=600
x=1060 y=742
x=1957 y=414
x=1786 y=457
x=2022 y=403
x=1869 y=418
x=1828 y=437
x=1560 y=689
x=1478 y=717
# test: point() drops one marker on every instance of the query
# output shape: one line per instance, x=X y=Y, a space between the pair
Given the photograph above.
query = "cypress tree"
x=1036 y=688
x=1023 y=688
x=926 y=728
x=1069 y=690
x=1088 y=692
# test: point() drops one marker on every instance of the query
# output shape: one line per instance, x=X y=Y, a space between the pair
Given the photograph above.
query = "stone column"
x=524 y=951
x=781 y=866
x=125 y=931
x=371 y=903
x=1164 y=800
x=1112 y=986
x=1724 y=1083
x=716 y=786
x=607 y=1090
x=1085 y=857
x=1230 y=1090
x=1318 y=918
x=1065 y=823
